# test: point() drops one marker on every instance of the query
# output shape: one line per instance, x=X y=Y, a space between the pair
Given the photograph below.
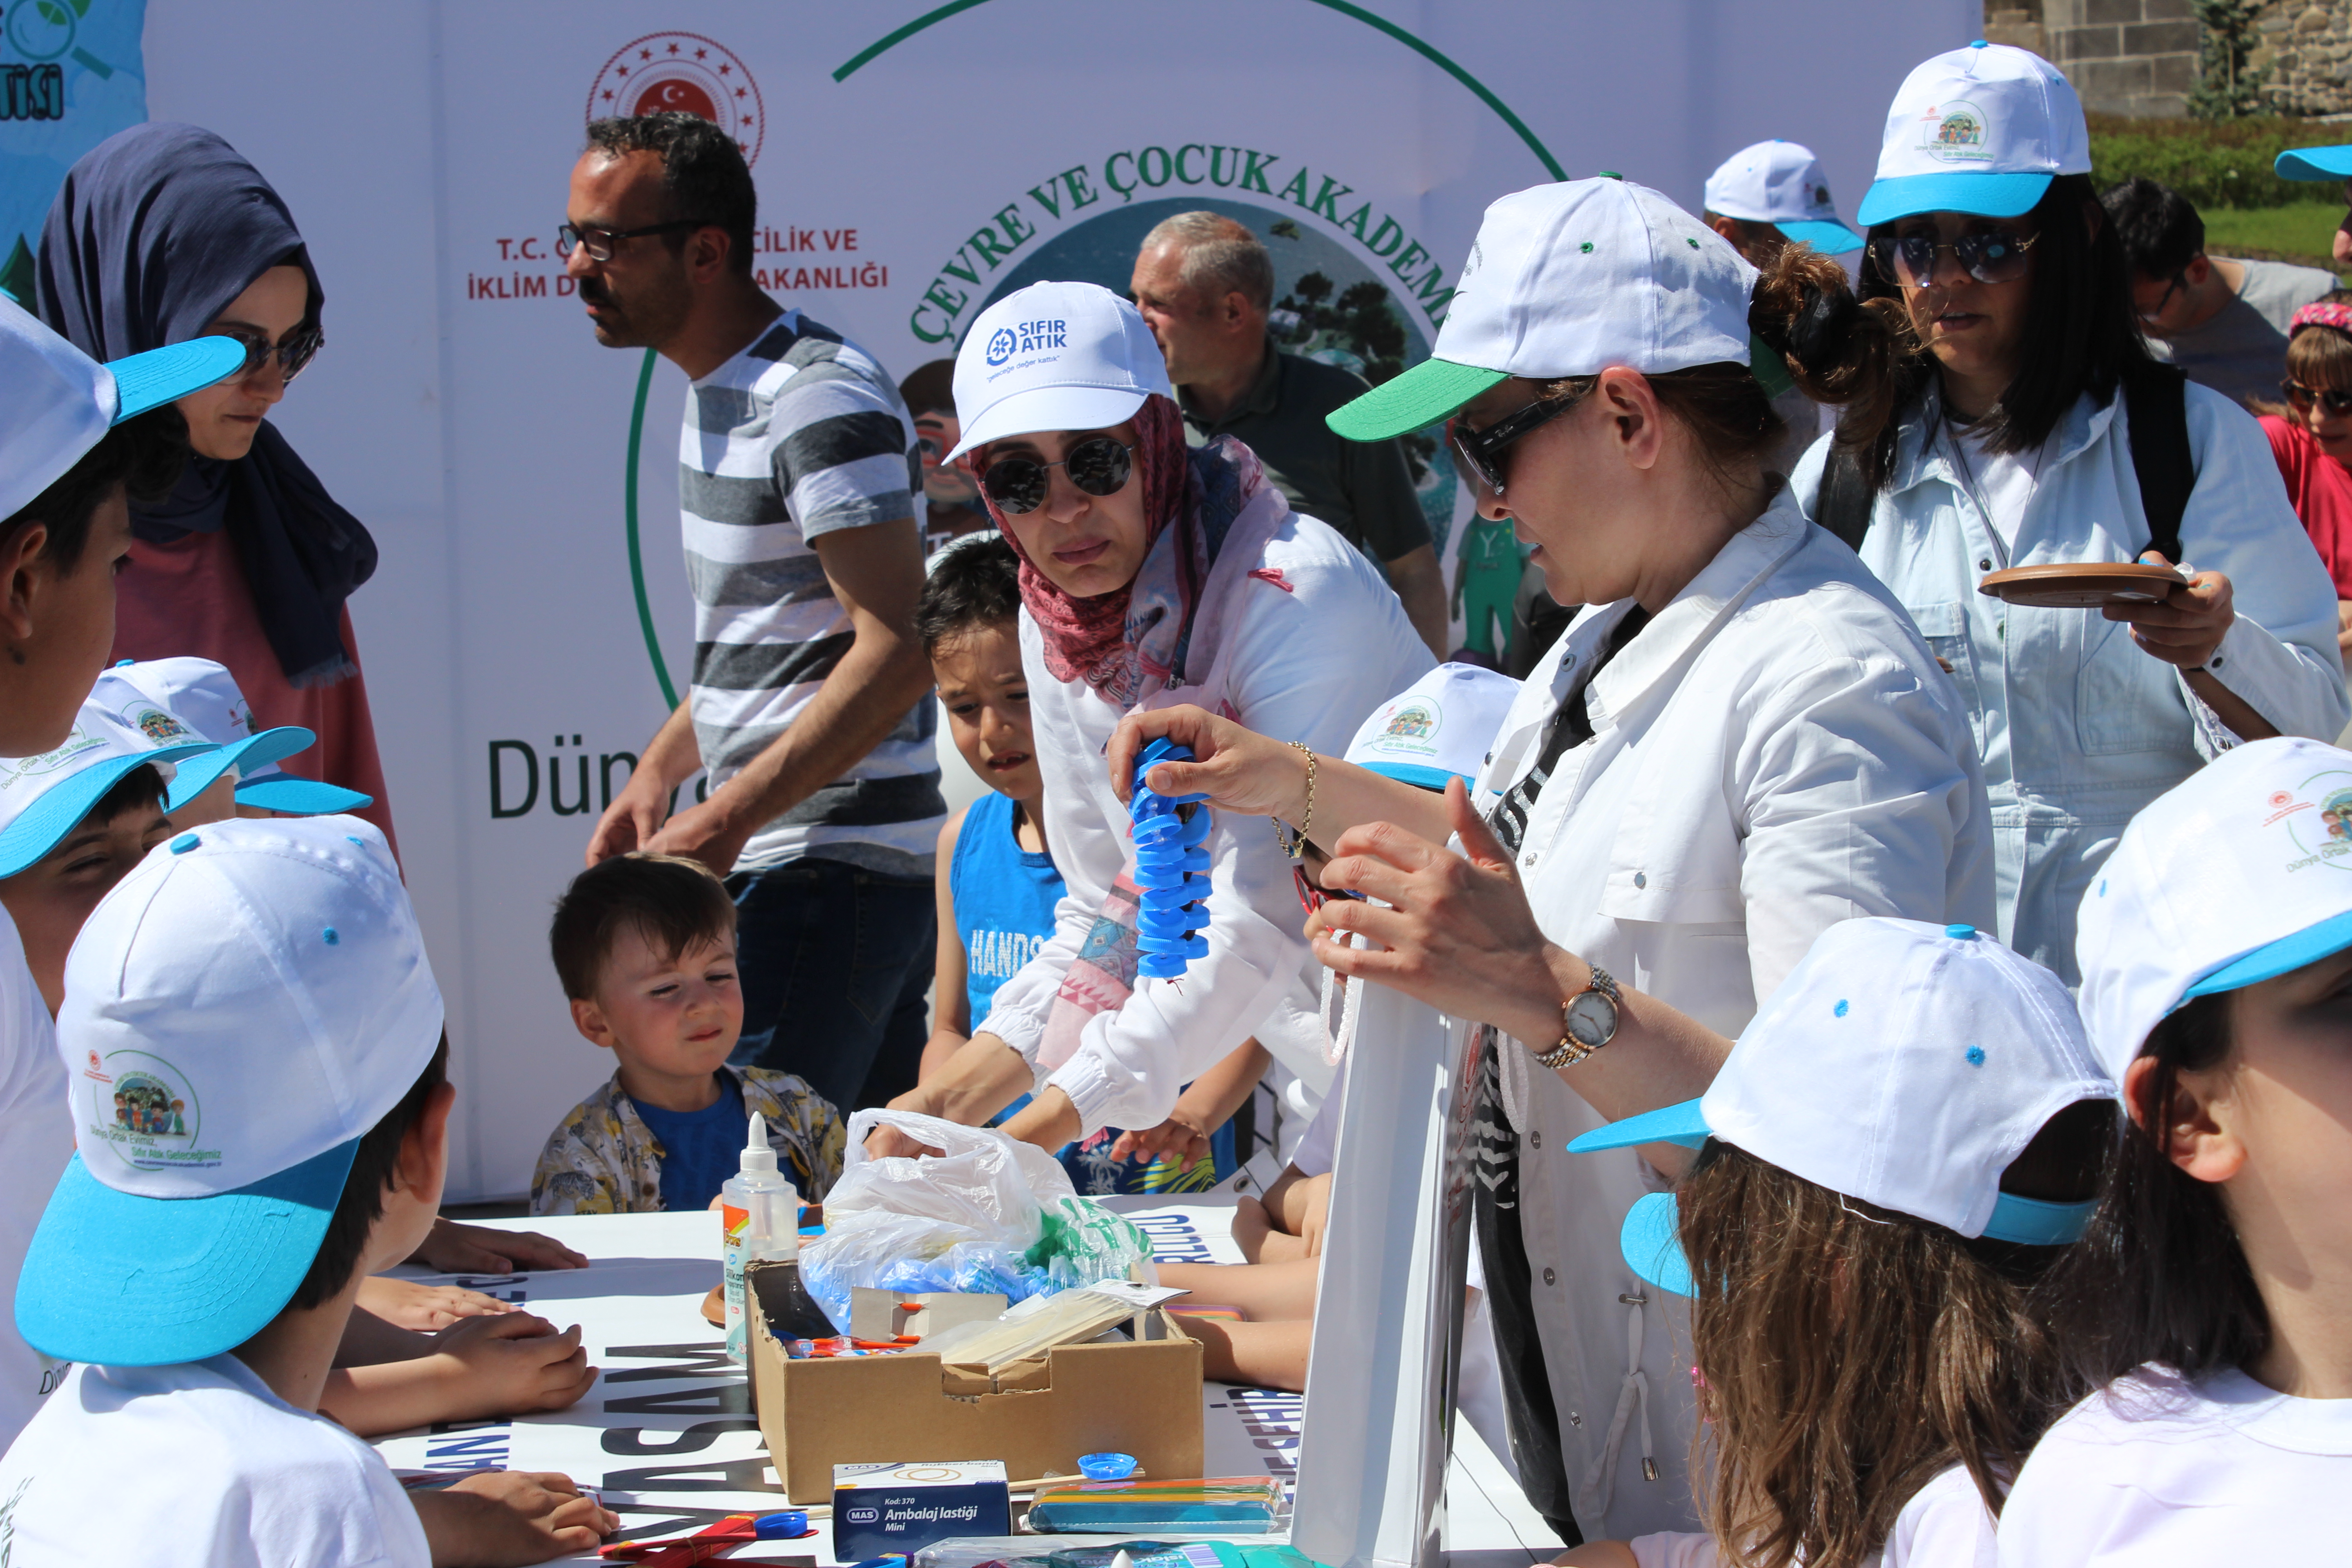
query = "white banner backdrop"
x=530 y=614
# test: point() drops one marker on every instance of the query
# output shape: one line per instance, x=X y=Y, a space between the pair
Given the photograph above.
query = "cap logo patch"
x=1414 y=722
x=2318 y=827
x=1954 y=133
x=1001 y=346
x=144 y=1110
x=1027 y=338
x=160 y=727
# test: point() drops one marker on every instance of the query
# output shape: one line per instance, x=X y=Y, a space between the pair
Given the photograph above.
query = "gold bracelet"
x=1294 y=846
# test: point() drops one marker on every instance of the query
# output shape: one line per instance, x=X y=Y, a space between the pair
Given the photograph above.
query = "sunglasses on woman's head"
x=294 y=351
x=2300 y=397
x=1099 y=465
x=1990 y=257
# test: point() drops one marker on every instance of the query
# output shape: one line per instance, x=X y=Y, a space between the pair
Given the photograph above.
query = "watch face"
x=1591 y=1019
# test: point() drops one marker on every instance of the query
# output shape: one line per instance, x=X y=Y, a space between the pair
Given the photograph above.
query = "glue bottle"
x=756 y=1188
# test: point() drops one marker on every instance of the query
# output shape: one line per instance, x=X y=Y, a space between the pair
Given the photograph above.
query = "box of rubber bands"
x=1085 y=1371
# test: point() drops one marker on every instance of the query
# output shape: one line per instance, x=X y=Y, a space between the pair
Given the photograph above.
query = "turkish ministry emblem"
x=685 y=72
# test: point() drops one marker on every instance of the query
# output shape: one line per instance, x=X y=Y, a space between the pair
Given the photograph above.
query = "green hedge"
x=2213 y=162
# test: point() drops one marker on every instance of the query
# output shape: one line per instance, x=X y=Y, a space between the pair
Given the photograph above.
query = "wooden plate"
x=2082 y=584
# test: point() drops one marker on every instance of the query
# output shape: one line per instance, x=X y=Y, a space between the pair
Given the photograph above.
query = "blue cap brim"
x=2313 y=164
x=48 y=819
x=151 y=380
x=2289 y=954
x=1417 y=774
x=1829 y=238
x=1653 y=1243
x=121 y=1280
x=1984 y=194
x=1680 y=1124
x=2036 y=1223
x=300 y=798
x=254 y=751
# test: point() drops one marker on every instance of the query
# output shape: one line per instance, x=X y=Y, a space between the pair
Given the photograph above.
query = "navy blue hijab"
x=155 y=231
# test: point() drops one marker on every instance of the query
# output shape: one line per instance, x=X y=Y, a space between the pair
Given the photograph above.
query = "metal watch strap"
x=1571 y=1050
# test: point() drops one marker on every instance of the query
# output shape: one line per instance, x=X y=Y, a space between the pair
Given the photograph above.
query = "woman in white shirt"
x=2204 y=1314
x=1149 y=573
x=1741 y=743
x=2014 y=445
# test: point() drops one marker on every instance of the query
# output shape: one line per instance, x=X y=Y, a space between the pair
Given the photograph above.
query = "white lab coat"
x=1775 y=753
x=2076 y=725
x=1306 y=655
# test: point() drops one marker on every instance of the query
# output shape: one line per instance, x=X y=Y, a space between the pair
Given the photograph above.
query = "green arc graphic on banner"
x=882 y=46
x=1543 y=154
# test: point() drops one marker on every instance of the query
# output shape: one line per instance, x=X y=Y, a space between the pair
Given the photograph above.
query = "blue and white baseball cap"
x=1982 y=130
x=239 y=1011
x=1439 y=727
x=2313 y=164
x=2240 y=873
x=1570 y=279
x=1902 y=1064
x=43 y=798
x=57 y=403
x=1055 y=356
x=204 y=697
x=1782 y=183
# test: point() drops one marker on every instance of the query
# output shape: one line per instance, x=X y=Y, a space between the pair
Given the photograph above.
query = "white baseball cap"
x=203 y=696
x=1439 y=727
x=1903 y=1064
x=2240 y=873
x=239 y=1011
x=1782 y=183
x=57 y=403
x=1055 y=356
x=42 y=798
x=1568 y=279
x=1980 y=129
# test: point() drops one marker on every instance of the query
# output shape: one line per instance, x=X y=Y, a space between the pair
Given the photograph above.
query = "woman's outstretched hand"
x=1460 y=935
x=1238 y=769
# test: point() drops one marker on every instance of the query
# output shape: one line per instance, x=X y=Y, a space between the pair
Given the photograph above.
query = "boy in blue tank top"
x=998 y=887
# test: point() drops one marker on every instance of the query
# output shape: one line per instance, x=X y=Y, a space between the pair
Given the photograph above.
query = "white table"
x=666 y=1434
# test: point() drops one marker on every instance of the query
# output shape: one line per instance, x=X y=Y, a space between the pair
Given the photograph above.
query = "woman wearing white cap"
x=2035 y=432
x=1149 y=573
x=1742 y=744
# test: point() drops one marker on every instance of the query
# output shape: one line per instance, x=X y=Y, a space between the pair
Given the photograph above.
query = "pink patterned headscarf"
x=2322 y=315
x=1115 y=641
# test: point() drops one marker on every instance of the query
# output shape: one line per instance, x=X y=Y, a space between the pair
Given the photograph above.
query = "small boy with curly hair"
x=644 y=946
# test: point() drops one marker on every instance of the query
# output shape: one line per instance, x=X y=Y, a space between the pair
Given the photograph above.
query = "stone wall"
x=2306 y=48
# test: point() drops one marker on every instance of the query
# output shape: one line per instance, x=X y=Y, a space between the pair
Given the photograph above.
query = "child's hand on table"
x=501 y=1518
x=428 y=1308
x=454 y=1248
x=512 y=1364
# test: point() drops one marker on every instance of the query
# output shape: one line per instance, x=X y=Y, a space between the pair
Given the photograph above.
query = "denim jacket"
x=2076 y=726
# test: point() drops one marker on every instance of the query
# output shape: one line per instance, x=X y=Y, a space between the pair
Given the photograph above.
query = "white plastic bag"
x=987 y=1184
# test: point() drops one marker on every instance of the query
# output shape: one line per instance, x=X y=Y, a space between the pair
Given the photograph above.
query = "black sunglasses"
x=2180 y=282
x=296 y=350
x=599 y=242
x=1099 y=465
x=1475 y=451
x=1990 y=257
x=2300 y=397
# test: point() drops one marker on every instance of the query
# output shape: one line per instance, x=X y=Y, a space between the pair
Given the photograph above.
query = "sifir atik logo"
x=1027 y=338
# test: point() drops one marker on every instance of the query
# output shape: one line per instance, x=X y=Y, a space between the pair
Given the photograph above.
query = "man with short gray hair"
x=1206 y=286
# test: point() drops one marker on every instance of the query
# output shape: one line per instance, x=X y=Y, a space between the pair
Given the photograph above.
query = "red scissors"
x=711 y=1543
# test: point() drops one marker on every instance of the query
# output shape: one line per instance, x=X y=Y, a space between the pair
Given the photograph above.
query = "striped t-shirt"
x=798 y=435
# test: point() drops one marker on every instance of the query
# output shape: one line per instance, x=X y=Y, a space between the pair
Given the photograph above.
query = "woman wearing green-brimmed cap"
x=2034 y=431
x=1741 y=743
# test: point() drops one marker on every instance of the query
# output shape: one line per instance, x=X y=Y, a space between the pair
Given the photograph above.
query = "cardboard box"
x=886 y=1314
x=1135 y=1399
x=881 y=1509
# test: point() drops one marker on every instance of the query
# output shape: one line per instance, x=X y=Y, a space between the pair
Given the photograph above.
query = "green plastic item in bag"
x=1081 y=1242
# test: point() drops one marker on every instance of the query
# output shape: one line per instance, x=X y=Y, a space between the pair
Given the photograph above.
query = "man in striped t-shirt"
x=809 y=710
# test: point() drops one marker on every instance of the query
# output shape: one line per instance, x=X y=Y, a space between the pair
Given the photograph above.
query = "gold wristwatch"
x=1588 y=1021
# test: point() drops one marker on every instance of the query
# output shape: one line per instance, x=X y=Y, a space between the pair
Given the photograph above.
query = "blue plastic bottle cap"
x=1960 y=934
x=1106 y=1467
x=788 y=1526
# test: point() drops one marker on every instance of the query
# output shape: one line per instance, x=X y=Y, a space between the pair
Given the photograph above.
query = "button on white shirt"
x=1776 y=751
